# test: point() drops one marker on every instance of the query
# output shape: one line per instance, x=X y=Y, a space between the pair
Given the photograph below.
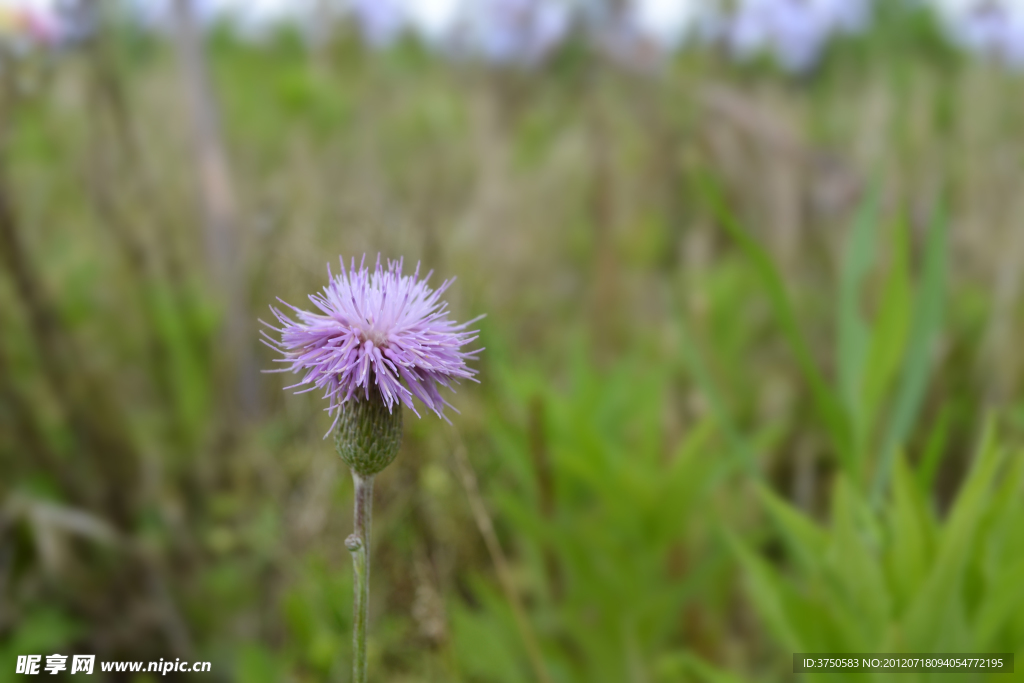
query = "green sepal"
x=368 y=435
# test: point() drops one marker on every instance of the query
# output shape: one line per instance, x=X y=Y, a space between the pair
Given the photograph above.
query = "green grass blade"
x=708 y=672
x=910 y=525
x=1005 y=598
x=804 y=538
x=889 y=332
x=935 y=448
x=826 y=404
x=939 y=599
x=923 y=336
x=854 y=334
x=742 y=454
x=768 y=593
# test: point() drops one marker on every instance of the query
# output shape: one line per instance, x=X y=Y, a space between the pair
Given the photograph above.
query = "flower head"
x=379 y=333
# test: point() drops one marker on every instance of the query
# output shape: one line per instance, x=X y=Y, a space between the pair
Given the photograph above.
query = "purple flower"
x=377 y=331
x=795 y=32
x=641 y=35
x=380 y=21
x=619 y=34
x=518 y=32
x=994 y=30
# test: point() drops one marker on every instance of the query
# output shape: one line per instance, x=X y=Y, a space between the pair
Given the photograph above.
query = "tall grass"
x=742 y=336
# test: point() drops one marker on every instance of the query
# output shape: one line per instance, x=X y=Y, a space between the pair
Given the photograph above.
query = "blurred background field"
x=753 y=373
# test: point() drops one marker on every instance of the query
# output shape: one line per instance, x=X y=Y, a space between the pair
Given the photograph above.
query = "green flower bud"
x=368 y=435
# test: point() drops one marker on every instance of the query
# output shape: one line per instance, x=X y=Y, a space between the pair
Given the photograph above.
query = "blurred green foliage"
x=899 y=580
x=596 y=504
x=703 y=444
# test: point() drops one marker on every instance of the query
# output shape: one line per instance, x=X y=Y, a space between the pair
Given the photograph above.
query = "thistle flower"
x=381 y=338
x=379 y=334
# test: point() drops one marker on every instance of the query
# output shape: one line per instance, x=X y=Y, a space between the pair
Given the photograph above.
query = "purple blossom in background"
x=380 y=21
x=521 y=32
x=620 y=33
x=992 y=29
x=847 y=16
x=778 y=27
x=795 y=32
x=377 y=331
x=27 y=27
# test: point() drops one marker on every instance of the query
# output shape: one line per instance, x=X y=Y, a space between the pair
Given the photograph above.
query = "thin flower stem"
x=358 y=543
